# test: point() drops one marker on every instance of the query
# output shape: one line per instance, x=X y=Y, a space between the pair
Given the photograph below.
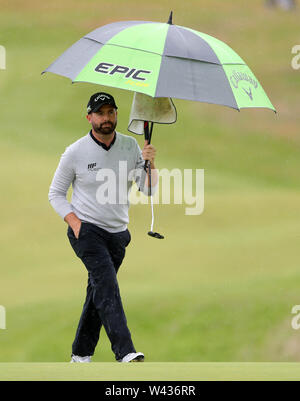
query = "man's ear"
x=88 y=118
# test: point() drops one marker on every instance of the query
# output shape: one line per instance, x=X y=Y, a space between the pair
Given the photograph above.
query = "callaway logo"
x=237 y=77
x=101 y=97
x=128 y=72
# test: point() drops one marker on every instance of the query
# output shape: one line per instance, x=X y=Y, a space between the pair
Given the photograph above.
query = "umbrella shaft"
x=152 y=212
x=148 y=135
x=151 y=198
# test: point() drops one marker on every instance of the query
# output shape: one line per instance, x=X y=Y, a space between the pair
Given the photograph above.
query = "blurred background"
x=221 y=285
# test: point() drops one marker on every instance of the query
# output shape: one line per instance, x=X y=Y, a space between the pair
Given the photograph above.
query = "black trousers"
x=102 y=254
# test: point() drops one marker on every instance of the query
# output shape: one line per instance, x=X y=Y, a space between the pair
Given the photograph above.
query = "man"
x=97 y=228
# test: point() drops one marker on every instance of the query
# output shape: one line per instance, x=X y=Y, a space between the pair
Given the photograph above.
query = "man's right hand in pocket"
x=74 y=222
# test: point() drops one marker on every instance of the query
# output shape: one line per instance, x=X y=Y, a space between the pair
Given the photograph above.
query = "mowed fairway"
x=159 y=371
x=221 y=286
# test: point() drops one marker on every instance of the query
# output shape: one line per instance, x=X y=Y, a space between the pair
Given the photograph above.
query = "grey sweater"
x=101 y=181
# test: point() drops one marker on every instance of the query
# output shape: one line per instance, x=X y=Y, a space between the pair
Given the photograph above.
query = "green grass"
x=220 y=287
x=150 y=372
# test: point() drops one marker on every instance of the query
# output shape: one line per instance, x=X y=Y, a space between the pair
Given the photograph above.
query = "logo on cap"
x=102 y=97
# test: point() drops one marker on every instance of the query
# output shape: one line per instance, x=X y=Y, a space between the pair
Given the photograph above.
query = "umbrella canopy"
x=162 y=60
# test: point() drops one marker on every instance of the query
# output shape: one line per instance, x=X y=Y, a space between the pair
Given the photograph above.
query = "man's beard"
x=107 y=130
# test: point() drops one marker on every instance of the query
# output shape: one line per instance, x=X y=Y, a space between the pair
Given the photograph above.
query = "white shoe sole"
x=133 y=357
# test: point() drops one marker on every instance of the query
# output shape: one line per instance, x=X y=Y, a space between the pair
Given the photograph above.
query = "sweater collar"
x=105 y=147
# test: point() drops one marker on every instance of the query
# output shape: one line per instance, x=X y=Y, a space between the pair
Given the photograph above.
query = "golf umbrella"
x=162 y=60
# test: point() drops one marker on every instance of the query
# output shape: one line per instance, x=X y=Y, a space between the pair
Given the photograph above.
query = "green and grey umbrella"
x=162 y=60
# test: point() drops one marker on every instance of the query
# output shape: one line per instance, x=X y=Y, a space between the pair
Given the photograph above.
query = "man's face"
x=104 y=121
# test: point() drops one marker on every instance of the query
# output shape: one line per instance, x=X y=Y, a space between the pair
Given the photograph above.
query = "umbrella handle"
x=147 y=132
x=148 y=136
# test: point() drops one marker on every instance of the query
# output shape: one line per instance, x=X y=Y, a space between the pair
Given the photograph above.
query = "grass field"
x=159 y=371
x=221 y=286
